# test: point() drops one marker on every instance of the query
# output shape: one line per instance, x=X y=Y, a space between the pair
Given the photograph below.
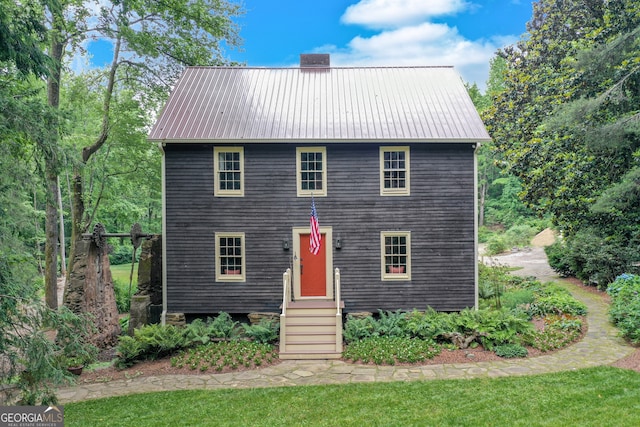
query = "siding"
x=439 y=213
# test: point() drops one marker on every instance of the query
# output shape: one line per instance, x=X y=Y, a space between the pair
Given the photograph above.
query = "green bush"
x=557 y=257
x=427 y=325
x=121 y=254
x=223 y=326
x=557 y=304
x=149 y=342
x=497 y=244
x=598 y=260
x=123 y=297
x=356 y=329
x=520 y=235
x=510 y=351
x=516 y=297
x=265 y=332
x=392 y=324
x=625 y=306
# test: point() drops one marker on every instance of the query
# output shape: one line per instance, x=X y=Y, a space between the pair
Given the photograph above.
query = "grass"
x=121 y=273
x=588 y=397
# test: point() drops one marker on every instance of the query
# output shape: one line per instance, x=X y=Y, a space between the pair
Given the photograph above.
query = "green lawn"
x=601 y=396
x=121 y=273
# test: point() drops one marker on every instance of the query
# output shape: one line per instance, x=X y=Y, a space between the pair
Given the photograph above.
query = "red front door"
x=313 y=269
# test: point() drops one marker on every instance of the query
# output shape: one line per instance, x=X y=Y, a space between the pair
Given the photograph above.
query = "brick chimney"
x=315 y=60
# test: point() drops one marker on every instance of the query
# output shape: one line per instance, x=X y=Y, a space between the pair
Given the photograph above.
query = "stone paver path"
x=600 y=346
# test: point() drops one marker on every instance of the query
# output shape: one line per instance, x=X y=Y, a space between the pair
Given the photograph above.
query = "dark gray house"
x=386 y=153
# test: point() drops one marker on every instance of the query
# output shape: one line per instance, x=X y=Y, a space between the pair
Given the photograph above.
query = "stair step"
x=311 y=328
x=310 y=355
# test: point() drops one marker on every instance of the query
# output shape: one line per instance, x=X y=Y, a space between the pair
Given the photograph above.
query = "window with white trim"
x=230 y=258
x=311 y=171
x=396 y=255
x=229 y=171
x=394 y=171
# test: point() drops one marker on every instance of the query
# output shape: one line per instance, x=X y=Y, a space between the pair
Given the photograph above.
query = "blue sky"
x=462 y=33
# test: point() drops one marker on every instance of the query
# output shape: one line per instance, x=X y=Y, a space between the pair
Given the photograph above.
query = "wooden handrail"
x=337 y=281
x=286 y=290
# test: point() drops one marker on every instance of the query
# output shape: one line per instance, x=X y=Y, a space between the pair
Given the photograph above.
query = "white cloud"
x=395 y=13
x=409 y=38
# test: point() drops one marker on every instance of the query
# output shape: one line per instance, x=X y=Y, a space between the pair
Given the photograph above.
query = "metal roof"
x=230 y=104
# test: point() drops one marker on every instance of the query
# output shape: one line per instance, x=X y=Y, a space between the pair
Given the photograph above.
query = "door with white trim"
x=312 y=274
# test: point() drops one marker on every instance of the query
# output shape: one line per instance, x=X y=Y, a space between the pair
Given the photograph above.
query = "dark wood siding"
x=439 y=213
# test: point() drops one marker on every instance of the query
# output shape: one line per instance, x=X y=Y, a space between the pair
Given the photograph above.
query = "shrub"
x=392 y=324
x=267 y=331
x=517 y=297
x=427 y=325
x=356 y=329
x=557 y=257
x=223 y=326
x=557 y=304
x=121 y=254
x=123 y=297
x=598 y=260
x=511 y=350
x=625 y=306
x=149 y=342
x=496 y=245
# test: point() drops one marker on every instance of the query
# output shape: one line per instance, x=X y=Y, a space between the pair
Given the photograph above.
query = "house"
x=386 y=154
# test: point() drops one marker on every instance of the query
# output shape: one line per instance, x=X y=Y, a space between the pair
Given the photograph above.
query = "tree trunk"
x=51 y=242
x=51 y=176
x=483 y=197
x=63 y=257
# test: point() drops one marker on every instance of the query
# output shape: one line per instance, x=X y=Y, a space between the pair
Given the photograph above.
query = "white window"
x=230 y=259
x=229 y=171
x=394 y=171
x=311 y=171
x=396 y=255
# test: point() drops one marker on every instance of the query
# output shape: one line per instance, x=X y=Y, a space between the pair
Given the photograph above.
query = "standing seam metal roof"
x=427 y=104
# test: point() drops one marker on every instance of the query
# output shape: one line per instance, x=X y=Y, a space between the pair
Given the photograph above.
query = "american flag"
x=314 y=238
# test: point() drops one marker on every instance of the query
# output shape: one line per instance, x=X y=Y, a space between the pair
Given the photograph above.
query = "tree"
x=152 y=42
x=566 y=121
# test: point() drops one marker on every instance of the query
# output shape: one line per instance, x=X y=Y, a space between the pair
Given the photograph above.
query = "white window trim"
x=395 y=276
x=220 y=277
x=396 y=191
x=309 y=193
x=216 y=170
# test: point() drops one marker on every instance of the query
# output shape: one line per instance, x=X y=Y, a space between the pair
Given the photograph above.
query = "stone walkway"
x=600 y=346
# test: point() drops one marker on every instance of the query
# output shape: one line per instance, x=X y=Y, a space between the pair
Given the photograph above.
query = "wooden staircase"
x=311 y=330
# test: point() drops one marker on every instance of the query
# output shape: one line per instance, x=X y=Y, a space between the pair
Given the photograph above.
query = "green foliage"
x=265 y=332
x=557 y=259
x=557 y=304
x=225 y=355
x=509 y=351
x=149 y=342
x=356 y=329
x=123 y=297
x=427 y=325
x=558 y=332
x=566 y=125
x=516 y=297
x=389 y=350
x=598 y=260
x=625 y=306
x=222 y=326
x=496 y=244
